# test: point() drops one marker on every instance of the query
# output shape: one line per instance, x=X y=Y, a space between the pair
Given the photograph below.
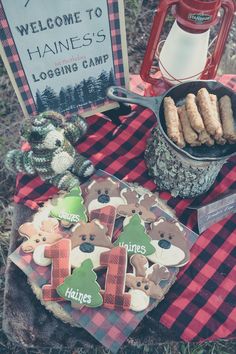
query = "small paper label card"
x=209 y=214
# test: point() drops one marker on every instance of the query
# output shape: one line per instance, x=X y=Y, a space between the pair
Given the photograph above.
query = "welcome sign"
x=64 y=55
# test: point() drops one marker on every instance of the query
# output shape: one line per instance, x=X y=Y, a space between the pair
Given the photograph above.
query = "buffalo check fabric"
x=116 y=260
x=106 y=216
x=59 y=253
x=201 y=303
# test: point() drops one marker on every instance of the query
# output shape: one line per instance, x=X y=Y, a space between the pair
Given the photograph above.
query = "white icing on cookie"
x=77 y=256
x=168 y=257
x=38 y=256
x=139 y=300
x=95 y=204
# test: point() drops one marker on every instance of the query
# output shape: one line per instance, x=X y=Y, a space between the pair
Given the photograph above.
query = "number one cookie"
x=60 y=254
x=114 y=296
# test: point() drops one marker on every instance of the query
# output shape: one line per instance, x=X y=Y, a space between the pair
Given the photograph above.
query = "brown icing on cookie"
x=137 y=205
x=102 y=192
x=89 y=240
x=47 y=233
x=168 y=237
x=144 y=283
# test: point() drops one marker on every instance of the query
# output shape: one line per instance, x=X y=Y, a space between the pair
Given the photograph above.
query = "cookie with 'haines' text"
x=135 y=238
x=81 y=287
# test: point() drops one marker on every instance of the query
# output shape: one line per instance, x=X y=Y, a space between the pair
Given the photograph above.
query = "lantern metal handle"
x=229 y=7
x=154 y=38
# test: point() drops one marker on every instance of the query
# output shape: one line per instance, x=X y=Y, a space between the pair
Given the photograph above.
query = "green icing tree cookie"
x=135 y=239
x=70 y=208
x=81 y=288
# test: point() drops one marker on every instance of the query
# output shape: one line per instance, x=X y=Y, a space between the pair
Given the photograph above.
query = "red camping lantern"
x=185 y=53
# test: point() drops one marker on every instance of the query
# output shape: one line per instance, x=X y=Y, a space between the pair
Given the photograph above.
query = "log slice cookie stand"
x=33 y=323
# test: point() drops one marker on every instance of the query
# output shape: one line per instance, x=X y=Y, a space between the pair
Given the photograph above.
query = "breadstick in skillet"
x=189 y=134
x=196 y=143
x=227 y=119
x=181 y=141
x=219 y=132
x=172 y=120
x=205 y=106
x=205 y=138
x=193 y=113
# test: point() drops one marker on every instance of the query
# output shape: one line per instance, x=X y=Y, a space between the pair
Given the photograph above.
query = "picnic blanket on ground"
x=201 y=304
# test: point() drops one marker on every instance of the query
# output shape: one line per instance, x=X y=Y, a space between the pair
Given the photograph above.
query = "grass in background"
x=138 y=22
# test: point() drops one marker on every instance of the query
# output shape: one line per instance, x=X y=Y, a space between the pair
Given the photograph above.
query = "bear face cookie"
x=88 y=241
x=101 y=193
x=168 y=238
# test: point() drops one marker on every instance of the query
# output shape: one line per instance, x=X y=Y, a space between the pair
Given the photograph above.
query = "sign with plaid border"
x=65 y=57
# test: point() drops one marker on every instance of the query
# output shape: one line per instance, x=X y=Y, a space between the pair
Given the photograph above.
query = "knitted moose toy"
x=52 y=155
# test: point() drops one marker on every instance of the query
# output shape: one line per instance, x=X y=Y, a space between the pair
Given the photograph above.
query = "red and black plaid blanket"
x=202 y=303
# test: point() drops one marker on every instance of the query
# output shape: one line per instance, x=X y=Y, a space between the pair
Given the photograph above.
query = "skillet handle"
x=122 y=95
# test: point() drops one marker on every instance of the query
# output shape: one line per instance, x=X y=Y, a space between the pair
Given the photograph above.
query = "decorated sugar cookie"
x=103 y=192
x=137 y=205
x=114 y=295
x=39 y=237
x=144 y=283
x=70 y=208
x=106 y=216
x=168 y=238
x=135 y=239
x=89 y=240
x=81 y=288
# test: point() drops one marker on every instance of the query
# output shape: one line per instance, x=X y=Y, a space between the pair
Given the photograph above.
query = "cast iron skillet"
x=178 y=93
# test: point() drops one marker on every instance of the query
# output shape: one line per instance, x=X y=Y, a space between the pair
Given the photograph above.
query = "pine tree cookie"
x=70 y=208
x=81 y=288
x=135 y=239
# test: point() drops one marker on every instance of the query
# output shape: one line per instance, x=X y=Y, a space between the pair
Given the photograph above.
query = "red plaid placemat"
x=201 y=304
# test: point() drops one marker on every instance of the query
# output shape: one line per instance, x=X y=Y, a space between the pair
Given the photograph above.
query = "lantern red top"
x=197 y=15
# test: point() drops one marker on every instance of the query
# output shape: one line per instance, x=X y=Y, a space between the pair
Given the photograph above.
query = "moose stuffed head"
x=88 y=241
x=168 y=238
x=137 y=205
x=144 y=283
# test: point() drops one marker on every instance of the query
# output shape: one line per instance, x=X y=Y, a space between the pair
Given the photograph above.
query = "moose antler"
x=130 y=196
x=159 y=272
x=49 y=225
x=140 y=264
x=148 y=201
